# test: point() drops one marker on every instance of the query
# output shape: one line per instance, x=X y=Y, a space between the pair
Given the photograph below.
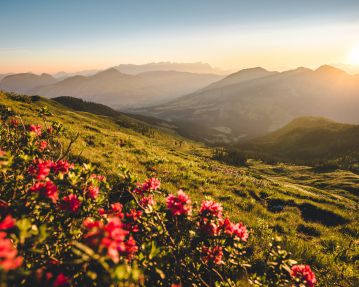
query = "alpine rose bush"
x=62 y=223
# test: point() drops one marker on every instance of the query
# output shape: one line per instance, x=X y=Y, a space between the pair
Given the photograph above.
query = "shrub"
x=64 y=224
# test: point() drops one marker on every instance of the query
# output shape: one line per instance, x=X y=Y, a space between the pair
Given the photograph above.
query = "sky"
x=73 y=35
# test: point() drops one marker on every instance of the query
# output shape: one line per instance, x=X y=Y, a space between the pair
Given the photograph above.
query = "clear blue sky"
x=80 y=34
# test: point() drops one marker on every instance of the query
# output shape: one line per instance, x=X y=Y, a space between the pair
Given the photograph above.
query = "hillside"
x=253 y=102
x=310 y=140
x=315 y=213
x=120 y=91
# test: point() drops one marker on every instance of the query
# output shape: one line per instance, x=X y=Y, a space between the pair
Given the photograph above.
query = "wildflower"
x=111 y=237
x=70 y=203
x=147 y=201
x=48 y=189
x=211 y=208
x=180 y=204
x=7 y=223
x=208 y=227
x=62 y=166
x=36 y=129
x=9 y=258
x=212 y=254
x=131 y=219
x=237 y=230
x=151 y=184
x=92 y=191
x=61 y=280
x=41 y=168
x=42 y=145
x=305 y=273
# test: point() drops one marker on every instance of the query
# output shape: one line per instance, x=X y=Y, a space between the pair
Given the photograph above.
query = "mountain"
x=3 y=76
x=25 y=82
x=253 y=102
x=63 y=75
x=120 y=91
x=199 y=68
x=308 y=140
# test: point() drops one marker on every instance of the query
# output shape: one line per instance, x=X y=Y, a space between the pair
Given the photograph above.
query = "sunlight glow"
x=353 y=57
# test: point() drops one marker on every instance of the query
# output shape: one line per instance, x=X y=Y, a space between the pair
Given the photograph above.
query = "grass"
x=316 y=213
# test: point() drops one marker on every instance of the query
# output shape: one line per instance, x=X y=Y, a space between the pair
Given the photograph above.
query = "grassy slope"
x=310 y=140
x=317 y=212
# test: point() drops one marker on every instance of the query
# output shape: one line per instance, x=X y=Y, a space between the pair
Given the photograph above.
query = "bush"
x=65 y=224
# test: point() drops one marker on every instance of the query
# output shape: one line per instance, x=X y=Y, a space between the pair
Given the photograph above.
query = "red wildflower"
x=41 y=168
x=7 y=223
x=70 y=203
x=9 y=258
x=147 y=201
x=116 y=209
x=111 y=237
x=42 y=145
x=36 y=129
x=151 y=184
x=208 y=227
x=62 y=166
x=98 y=177
x=210 y=208
x=61 y=280
x=48 y=189
x=238 y=230
x=180 y=204
x=131 y=219
x=304 y=273
x=92 y=191
x=212 y=254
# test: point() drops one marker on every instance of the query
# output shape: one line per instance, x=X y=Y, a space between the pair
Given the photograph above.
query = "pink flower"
x=47 y=188
x=36 y=129
x=42 y=145
x=41 y=168
x=238 y=230
x=212 y=254
x=151 y=184
x=147 y=201
x=112 y=237
x=62 y=166
x=70 y=203
x=92 y=191
x=210 y=208
x=98 y=177
x=208 y=227
x=131 y=219
x=180 y=204
x=304 y=273
x=61 y=280
x=9 y=258
x=7 y=223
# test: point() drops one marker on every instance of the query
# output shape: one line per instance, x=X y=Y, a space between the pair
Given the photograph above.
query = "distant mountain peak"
x=329 y=70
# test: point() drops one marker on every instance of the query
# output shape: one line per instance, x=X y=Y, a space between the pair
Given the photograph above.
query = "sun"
x=353 y=57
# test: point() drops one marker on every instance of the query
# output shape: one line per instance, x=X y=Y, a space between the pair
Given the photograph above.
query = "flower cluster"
x=180 y=204
x=305 y=274
x=110 y=237
x=9 y=258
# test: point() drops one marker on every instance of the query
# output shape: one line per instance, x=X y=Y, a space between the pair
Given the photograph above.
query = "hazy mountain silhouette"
x=253 y=102
x=24 y=82
x=120 y=90
x=200 y=68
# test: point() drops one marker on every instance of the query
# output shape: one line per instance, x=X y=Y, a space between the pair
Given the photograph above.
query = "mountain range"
x=111 y=87
x=253 y=102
